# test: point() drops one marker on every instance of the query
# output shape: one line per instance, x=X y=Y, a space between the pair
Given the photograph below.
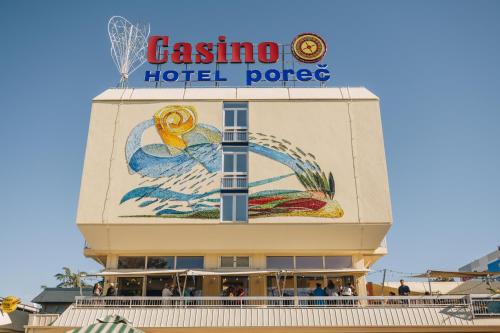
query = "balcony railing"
x=234 y=182
x=479 y=305
x=485 y=305
x=235 y=135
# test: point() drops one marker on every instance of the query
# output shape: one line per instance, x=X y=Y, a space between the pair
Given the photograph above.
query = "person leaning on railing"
x=403 y=289
x=97 y=290
x=319 y=292
x=347 y=291
x=167 y=292
x=331 y=290
x=111 y=290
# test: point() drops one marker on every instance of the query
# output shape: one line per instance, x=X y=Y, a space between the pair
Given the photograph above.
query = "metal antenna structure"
x=128 y=46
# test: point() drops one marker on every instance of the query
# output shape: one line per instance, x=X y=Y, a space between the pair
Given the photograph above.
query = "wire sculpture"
x=128 y=46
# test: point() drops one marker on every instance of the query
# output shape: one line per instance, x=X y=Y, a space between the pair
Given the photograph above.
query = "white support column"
x=358 y=262
x=111 y=263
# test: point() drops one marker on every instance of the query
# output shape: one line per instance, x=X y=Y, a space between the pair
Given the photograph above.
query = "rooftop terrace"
x=455 y=313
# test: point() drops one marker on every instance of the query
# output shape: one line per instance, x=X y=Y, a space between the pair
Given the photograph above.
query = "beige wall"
x=344 y=135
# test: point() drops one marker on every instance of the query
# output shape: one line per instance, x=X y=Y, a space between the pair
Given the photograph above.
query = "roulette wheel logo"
x=308 y=47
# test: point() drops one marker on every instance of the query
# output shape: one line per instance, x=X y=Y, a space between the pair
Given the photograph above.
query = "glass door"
x=234 y=286
x=130 y=286
x=192 y=285
x=156 y=284
x=307 y=284
x=273 y=289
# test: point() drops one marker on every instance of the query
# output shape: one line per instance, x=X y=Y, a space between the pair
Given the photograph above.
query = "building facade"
x=57 y=300
x=487 y=263
x=264 y=194
x=265 y=190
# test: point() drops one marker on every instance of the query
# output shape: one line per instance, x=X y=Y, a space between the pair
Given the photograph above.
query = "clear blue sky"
x=434 y=64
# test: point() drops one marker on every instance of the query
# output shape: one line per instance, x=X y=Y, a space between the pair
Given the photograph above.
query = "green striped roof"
x=110 y=324
x=113 y=319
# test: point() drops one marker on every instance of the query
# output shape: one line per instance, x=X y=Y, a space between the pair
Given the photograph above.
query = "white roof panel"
x=252 y=94
x=144 y=317
x=210 y=93
x=262 y=93
x=158 y=94
x=308 y=93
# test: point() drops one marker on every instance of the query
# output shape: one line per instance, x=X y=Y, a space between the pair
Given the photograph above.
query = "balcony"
x=475 y=305
x=237 y=135
x=234 y=182
x=452 y=313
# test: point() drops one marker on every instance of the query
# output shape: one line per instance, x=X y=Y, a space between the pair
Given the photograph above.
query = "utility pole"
x=383 y=281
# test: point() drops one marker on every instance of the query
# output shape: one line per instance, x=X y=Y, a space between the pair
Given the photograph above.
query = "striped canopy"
x=110 y=324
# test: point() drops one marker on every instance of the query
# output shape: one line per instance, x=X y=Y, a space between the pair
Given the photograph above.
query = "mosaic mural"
x=179 y=172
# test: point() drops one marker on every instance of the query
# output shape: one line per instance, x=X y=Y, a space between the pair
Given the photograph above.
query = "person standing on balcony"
x=319 y=291
x=166 y=292
x=111 y=290
x=97 y=291
x=175 y=291
x=331 y=289
x=403 y=289
x=353 y=289
x=347 y=290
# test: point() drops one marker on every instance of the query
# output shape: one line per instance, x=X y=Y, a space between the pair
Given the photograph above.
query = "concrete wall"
x=337 y=129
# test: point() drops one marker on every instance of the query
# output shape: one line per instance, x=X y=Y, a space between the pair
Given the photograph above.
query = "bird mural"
x=181 y=172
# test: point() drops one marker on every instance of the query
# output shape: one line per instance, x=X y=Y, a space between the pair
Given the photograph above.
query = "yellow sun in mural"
x=173 y=121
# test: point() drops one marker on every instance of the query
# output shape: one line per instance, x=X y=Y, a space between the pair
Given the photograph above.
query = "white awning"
x=220 y=272
x=452 y=274
x=230 y=272
x=139 y=273
x=343 y=271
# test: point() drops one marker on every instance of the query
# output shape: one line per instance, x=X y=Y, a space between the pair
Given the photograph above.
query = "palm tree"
x=68 y=279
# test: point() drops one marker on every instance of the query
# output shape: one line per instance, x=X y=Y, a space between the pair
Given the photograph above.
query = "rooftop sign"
x=305 y=48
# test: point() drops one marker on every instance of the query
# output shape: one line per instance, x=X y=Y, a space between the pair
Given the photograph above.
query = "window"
x=131 y=262
x=229 y=118
x=309 y=262
x=242 y=262
x=235 y=160
x=226 y=261
x=338 y=262
x=160 y=262
x=279 y=262
x=234 y=262
x=227 y=207
x=236 y=114
x=234 y=207
x=189 y=262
